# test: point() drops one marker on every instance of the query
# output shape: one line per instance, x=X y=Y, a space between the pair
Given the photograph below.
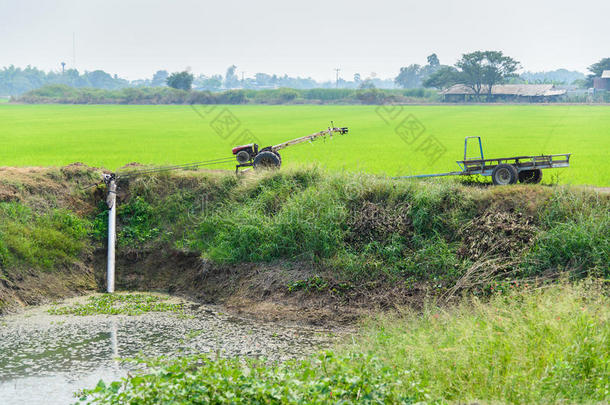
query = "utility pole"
x=63 y=67
x=337 y=82
x=110 y=180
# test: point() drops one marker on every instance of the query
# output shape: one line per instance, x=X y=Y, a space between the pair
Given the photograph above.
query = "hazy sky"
x=306 y=38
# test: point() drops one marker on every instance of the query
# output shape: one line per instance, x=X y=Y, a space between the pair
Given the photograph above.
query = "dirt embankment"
x=258 y=290
x=302 y=245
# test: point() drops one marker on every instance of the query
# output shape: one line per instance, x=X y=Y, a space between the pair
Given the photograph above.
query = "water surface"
x=45 y=358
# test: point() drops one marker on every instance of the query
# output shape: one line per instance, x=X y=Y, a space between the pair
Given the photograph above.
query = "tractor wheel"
x=267 y=160
x=504 y=174
x=530 y=176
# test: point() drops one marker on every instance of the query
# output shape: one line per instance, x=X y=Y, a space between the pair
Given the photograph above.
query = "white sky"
x=134 y=38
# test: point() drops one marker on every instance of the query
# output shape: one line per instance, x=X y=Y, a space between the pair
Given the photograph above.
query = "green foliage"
x=138 y=222
x=45 y=241
x=544 y=346
x=597 y=69
x=443 y=78
x=118 y=304
x=579 y=245
x=315 y=283
x=15 y=80
x=180 y=80
x=180 y=93
x=325 y=379
x=481 y=70
x=576 y=235
x=264 y=227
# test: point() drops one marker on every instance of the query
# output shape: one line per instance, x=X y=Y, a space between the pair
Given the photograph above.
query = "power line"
x=133 y=173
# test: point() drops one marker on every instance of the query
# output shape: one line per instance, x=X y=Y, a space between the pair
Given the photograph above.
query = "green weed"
x=118 y=304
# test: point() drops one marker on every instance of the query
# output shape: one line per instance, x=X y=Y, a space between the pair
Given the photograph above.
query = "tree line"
x=15 y=81
x=167 y=95
x=478 y=70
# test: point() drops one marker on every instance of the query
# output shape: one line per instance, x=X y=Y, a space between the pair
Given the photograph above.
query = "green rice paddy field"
x=386 y=140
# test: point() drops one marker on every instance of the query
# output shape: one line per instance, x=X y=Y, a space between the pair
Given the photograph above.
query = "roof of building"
x=606 y=74
x=509 y=90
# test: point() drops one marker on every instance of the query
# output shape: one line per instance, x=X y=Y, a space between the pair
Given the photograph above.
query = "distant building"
x=506 y=92
x=602 y=82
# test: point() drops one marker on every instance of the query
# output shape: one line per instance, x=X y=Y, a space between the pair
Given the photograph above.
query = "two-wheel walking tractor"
x=269 y=157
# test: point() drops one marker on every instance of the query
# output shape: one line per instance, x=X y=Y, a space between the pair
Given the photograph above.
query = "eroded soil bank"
x=300 y=245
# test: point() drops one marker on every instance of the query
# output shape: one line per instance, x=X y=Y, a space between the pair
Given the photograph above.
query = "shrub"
x=581 y=247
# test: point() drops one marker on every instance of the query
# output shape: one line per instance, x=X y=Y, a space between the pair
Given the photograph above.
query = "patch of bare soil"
x=35 y=287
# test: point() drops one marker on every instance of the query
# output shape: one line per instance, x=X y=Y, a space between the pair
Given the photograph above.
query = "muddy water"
x=45 y=358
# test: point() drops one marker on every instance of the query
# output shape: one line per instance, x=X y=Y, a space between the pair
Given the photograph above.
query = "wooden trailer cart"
x=507 y=170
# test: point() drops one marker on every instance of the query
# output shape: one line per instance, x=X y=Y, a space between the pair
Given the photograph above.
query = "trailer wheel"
x=530 y=176
x=504 y=174
x=267 y=160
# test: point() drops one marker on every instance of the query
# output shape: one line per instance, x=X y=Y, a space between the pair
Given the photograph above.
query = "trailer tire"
x=504 y=174
x=530 y=176
x=267 y=160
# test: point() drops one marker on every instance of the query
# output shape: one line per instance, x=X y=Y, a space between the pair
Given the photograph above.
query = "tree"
x=433 y=60
x=231 y=79
x=414 y=75
x=367 y=84
x=102 y=80
x=481 y=70
x=211 y=83
x=409 y=76
x=159 y=78
x=558 y=76
x=262 y=79
x=443 y=78
x=597 y=69
x=180 y=80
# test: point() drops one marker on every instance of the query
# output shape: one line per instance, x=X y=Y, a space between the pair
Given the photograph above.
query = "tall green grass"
x=45 y=241
x=541 y=346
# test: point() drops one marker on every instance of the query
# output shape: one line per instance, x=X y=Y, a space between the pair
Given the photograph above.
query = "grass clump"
x=47 y=240
x=542 y=346
x=118 y=304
